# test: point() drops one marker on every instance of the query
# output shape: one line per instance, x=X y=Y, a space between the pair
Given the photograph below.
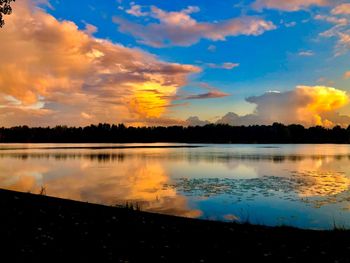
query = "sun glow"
x=150 y=99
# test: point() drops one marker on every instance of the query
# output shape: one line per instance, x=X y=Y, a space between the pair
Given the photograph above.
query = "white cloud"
x=306 y=53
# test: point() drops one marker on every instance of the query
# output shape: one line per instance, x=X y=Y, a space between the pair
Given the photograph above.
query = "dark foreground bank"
x=36 y=228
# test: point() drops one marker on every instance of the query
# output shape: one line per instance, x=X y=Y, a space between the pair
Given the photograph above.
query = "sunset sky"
x=175 y=62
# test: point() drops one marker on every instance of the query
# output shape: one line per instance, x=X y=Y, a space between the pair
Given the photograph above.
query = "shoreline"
x=42 y=228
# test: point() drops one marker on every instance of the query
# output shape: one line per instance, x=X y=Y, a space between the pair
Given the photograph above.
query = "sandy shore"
x=46 y=229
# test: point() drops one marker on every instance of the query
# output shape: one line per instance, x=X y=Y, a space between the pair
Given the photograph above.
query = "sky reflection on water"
x=301 y=185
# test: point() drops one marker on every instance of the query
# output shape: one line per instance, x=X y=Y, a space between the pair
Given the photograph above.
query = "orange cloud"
x=321 y=100
x=51 y=72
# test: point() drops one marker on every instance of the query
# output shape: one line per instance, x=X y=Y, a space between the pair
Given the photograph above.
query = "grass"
x=42 y=190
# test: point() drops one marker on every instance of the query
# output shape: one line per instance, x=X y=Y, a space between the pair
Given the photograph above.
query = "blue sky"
x=270 y=46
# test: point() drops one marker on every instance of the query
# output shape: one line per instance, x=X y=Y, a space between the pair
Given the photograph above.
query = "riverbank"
x=40 y=228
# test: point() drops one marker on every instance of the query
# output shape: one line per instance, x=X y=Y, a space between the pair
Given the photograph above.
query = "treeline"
x=213 y=133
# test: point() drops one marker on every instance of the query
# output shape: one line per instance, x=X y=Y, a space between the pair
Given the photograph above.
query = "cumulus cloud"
x=53 y=73
x=287 y=5
x=181 y=29
x=316 y=105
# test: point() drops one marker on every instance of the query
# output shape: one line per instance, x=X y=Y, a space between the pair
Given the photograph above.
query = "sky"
x=175 y=62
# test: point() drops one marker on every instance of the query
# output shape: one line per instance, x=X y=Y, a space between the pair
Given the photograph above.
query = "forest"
x=213 y=133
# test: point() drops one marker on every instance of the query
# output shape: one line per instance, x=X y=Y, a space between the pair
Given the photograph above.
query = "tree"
x=5 y=9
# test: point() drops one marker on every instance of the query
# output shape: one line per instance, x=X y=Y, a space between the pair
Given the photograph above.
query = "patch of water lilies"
x=311 y=187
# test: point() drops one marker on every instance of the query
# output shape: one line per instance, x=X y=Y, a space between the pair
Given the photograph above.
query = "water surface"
x=305 y=186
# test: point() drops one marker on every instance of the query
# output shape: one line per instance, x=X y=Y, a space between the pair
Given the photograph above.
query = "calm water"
x=300 y=185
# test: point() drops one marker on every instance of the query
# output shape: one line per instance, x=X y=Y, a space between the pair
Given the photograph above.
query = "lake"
x=306 y=186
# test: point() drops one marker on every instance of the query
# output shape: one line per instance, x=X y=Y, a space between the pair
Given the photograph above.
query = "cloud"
x=316 y=105
x=195 y=121
x=291 y=24
x=212 y=93
x=180 y=29
x=227 y=65
x=340 y=31
x=208 y=95
x=136 y=10
x=307 y=53
x=53 y=73
x=343 y=44
x=90 y=29
x=288 y=5
x=342 y=9
x=347 y=75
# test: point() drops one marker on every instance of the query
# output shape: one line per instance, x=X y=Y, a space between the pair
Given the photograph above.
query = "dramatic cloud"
x=287 y=5
x=180 y=29
x=342 y=9
x=53 y=73
x=305 y=105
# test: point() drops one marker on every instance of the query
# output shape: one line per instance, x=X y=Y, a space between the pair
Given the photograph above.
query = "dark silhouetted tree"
x=212 y=133
x=5 y=9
